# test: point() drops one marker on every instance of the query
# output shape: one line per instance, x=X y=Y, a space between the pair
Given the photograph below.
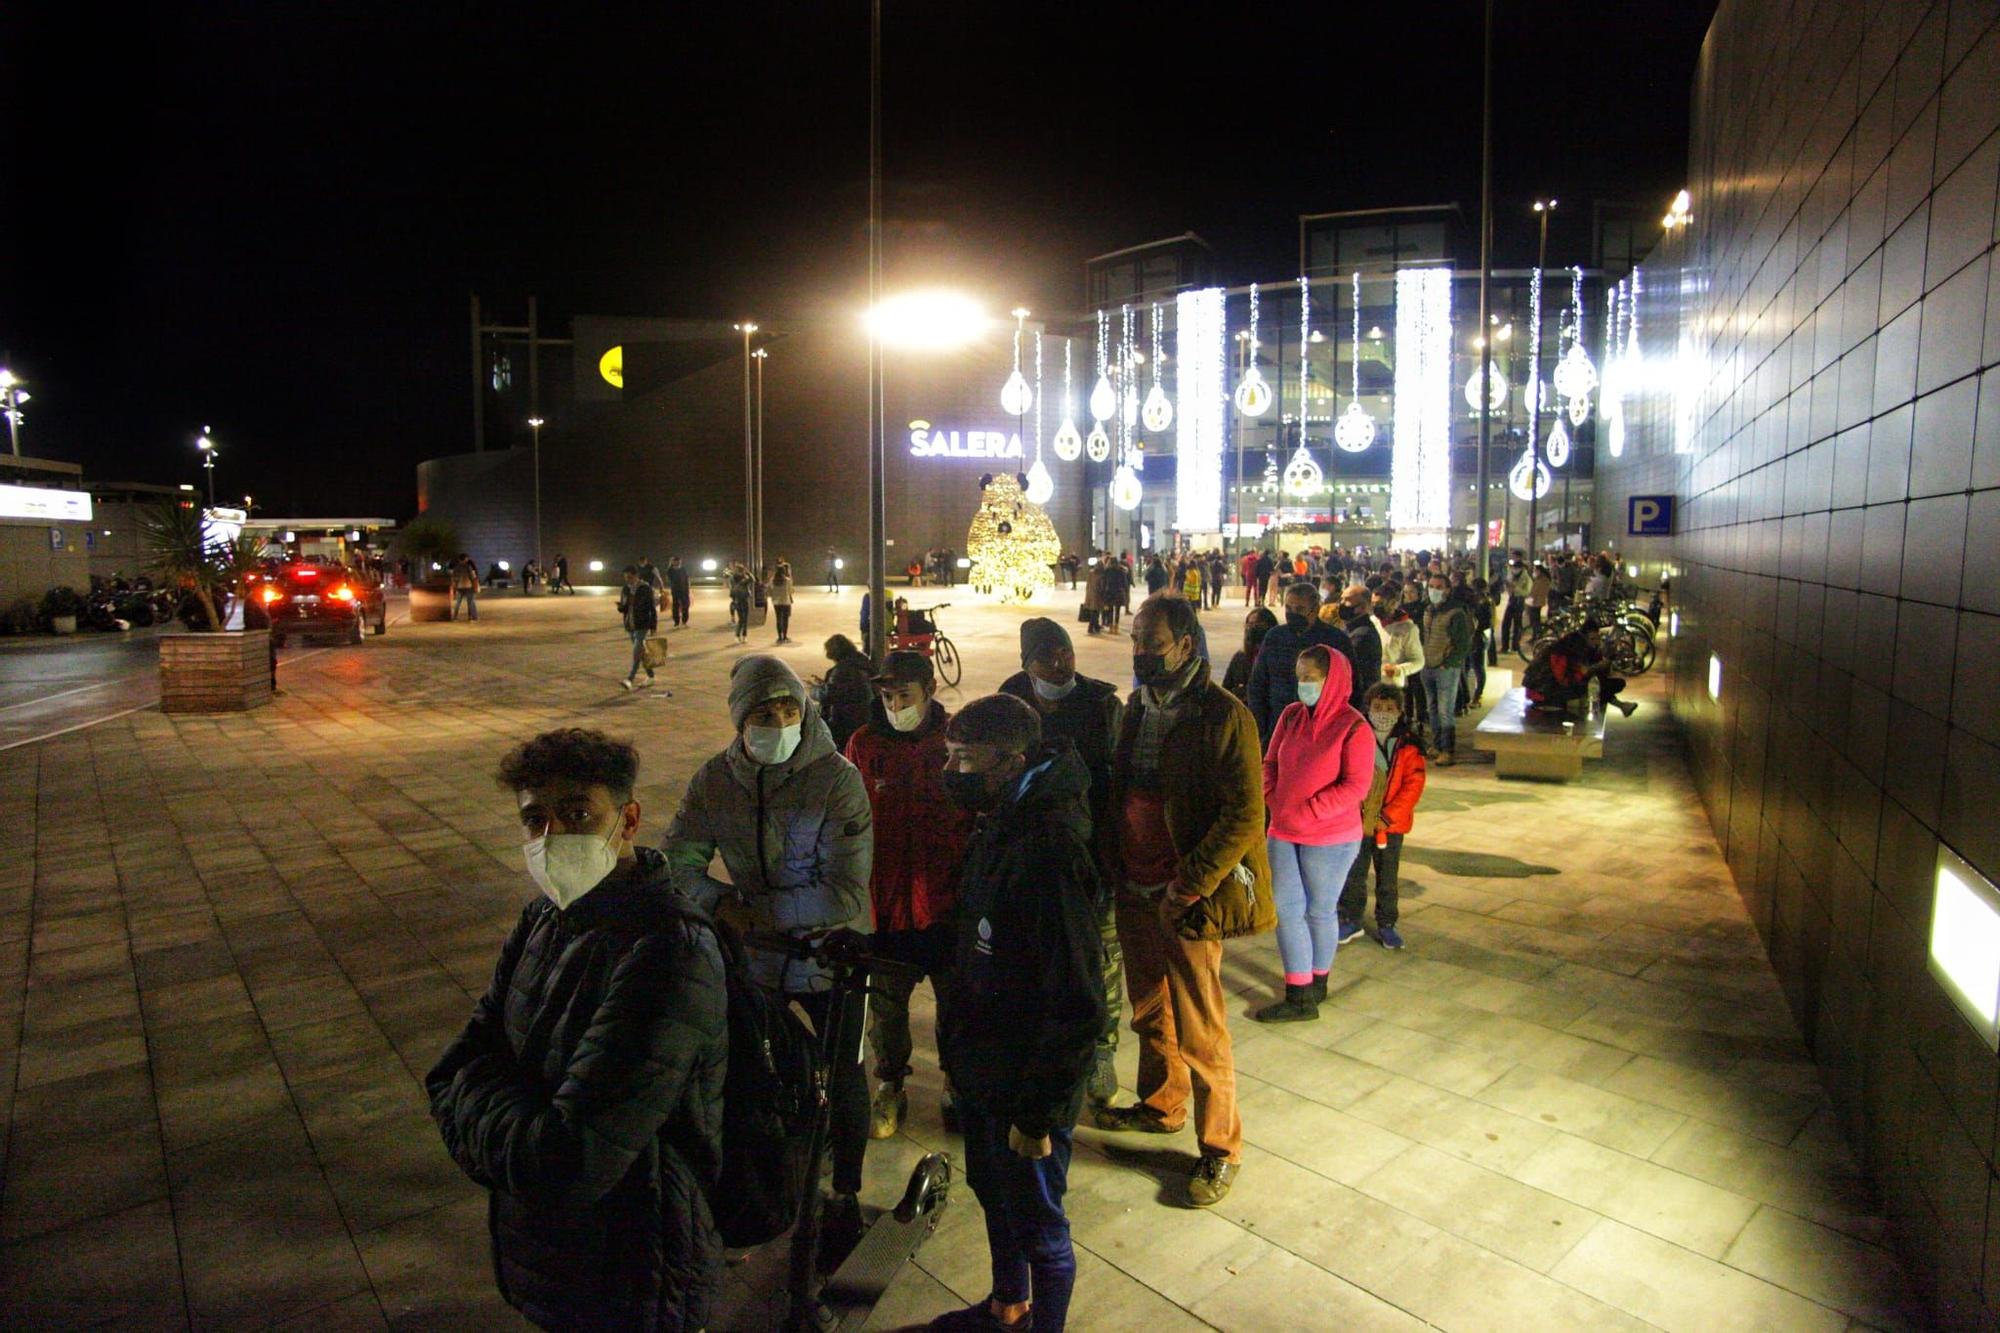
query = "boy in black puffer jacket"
x=586 y=1091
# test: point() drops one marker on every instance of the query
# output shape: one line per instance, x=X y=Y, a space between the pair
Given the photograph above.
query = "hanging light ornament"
x=1103 y=399
x=1015 y=396
x=1303 y=475
x=1128 y=367
x=1158 y=412
x=1125 y=488
x=1538 y=399
x=1575 y=377
x=1355 y=430
x=1098 y=446
x=1253 y=395
x=1068 y=444
x=1496 y=390
x=1579 y=409
x=1517 y=478
x=1558 y=446
x=1041 y=486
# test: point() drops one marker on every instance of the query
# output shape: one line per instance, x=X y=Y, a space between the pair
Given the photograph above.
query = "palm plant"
x=179 y=552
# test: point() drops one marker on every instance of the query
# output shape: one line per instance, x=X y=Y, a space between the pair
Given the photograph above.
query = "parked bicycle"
x=917 y=630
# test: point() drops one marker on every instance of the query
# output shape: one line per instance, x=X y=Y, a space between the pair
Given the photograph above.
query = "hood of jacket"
x=1327 y=716
x=815 y=743
x=1055 y=786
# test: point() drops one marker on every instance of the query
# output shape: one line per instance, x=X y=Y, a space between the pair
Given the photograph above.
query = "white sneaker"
x=627 y=682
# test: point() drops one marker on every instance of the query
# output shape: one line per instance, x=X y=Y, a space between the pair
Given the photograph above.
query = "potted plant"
x=209 y=670
x=429 y=543
x=60 y=608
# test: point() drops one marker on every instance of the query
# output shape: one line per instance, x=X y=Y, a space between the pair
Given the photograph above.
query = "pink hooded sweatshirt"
x=1319 y=766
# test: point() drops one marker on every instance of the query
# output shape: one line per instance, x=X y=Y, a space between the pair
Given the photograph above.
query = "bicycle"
x=917 y=631
x=848 y=1296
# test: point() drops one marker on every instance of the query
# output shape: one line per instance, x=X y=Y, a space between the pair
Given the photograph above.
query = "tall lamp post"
x=12 y=397
x=1485 y=565
x=1543 y=207
x=749 y=474
x=535 y=424
x=207 y=446
x=761 y=355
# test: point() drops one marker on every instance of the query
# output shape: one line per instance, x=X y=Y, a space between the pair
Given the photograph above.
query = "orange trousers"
x=1180 y=1015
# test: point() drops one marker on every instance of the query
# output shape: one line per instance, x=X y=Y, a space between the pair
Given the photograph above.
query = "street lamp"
x=761 y=355
x=535 y=424
x=749 y=465
x=207 y=446
x=12 y=397
x=1543 y=208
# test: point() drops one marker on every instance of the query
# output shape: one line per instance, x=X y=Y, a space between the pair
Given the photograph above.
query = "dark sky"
x=267 y=217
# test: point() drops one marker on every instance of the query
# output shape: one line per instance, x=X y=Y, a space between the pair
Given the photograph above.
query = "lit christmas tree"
x=1012 y=544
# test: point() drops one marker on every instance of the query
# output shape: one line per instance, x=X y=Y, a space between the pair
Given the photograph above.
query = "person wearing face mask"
x=1315 y=773
x=1365 y=637
x=1272 y=686
x=1387 y=813
x=1184 y=850
x=919 y=842
x=1256 y=624
x=1018 y=1043
x=1447 y=637
x=790 y=819
x=1087 y=714
x=585 y=1093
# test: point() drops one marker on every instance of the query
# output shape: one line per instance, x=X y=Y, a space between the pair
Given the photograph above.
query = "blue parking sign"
x=1649 y=516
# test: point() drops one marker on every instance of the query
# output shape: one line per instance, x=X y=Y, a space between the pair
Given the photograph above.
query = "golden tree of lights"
x=1012 y=544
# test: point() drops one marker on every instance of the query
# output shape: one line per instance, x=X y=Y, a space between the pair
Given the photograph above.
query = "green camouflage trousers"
x=1114 y=976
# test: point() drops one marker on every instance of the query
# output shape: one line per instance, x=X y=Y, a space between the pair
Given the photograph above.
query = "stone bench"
x=1529 y=744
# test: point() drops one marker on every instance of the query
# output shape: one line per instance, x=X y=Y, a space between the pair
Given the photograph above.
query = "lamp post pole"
x=761 y=355
x=878 y=507
x=207 y=446
x=749 y=475
x=1485 y=565
x=11 y=396
x=1543 y=207
x=535 y=424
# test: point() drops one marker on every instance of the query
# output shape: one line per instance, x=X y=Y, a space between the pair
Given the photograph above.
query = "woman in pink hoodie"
x=1316 y=774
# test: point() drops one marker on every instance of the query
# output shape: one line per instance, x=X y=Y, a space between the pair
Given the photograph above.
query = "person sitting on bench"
x=1561 y=673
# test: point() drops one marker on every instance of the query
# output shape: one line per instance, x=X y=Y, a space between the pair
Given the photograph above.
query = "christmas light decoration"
x=1355 y=430
x=1199 y=380
x=1574 y=376
x=1098 y=446
x=1537 y=397
x=1041 y=486
x=1126 y=492
x=1303 y=475
x=1579 y=409
x=1103 y=398
x=1157 y=412
x=1496 y=390
x=1012 y=545
x=1558 y=447
x=1015 y=396
x=1253 y=395
x=1517 y=478
x=1068 y=444
x=1128 y=369
x=1420 y=461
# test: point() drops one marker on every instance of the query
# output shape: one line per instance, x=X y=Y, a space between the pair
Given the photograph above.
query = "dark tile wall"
x=1820 y=393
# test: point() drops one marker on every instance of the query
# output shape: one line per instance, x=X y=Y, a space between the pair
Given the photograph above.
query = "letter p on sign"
x=1649 y=516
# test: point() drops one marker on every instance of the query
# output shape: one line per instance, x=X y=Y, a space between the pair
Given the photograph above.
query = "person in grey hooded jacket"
x=790 y=818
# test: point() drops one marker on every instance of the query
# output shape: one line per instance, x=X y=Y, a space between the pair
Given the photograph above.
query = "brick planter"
x=226 y=672
x=429 y=605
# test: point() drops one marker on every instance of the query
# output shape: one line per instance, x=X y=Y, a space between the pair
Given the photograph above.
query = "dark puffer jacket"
x=586 y=1094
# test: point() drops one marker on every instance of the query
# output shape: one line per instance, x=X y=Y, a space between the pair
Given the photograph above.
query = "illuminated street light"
x=927 y=321
x=206 y=444
x=535 y=424
x=12 y=398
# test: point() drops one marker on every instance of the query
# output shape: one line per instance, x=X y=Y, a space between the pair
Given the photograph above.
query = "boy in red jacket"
x=920 y=837
x=1387 y=813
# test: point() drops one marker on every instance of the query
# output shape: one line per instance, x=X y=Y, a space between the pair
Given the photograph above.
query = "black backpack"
x=771 y=1098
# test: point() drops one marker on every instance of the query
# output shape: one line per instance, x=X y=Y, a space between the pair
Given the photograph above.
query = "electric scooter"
x=846 y=1298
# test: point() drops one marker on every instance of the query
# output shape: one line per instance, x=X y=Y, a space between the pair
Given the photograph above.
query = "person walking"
x=832 y=570
x=1087 y=714
x=741 y=585
x=780 y=594
x=846 y=694
x=1096 y=598
x=1185 y=854
x=642 y=621
x=1117 y=592
x=649 y=574
x=1018 y=1042
x=585 y=1092
x=1471 y=594
x=678 y=592
x=1519 y=584
x=1316 y=772
x=1387 y=813
x=1248 y=568
x=919 y=841
x=1272 y=687
x=1447 y=638
x=790 y=820
x=1261 y=574
x=561 y=579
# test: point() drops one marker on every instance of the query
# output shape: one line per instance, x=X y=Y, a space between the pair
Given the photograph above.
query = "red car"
x=310 y=598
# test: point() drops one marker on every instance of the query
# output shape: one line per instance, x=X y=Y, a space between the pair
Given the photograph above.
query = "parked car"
x=309 y=597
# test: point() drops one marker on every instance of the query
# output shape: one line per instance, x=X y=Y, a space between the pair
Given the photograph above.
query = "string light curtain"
x=1420 y=459
x=1200 y=385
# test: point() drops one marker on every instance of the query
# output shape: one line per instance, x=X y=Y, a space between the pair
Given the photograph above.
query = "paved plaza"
x=230 y=947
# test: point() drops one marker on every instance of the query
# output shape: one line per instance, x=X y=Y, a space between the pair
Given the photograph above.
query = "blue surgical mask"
x=1309 y=692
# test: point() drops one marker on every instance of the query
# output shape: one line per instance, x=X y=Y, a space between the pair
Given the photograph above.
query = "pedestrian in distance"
x=1018 y=1044
x=780 y=594
x=1387 y=813
x=832 y=570
x=585 y=1092
x=642 y=621
x=741 y=586
x=1316 y=772
x=1447 y=638
x=678 y=591
x=919 y=841
x=465 y=587
x=790 y=820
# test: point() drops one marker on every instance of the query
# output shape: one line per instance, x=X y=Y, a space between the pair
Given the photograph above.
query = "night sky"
x=267 y=217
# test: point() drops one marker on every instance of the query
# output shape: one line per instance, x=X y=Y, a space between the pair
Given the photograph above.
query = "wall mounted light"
x=1715 y=677
x=1965 y=943
x=708 y=566
x=1673 y=624
x=597 y=566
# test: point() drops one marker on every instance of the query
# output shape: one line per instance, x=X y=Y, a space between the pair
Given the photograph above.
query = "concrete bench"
x=1528 y=744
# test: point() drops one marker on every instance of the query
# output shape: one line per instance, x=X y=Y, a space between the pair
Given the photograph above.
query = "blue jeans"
x=468 y=601
x=1306 y=884
x=1442 y=682
x=639 y=637
x=1026 y=1230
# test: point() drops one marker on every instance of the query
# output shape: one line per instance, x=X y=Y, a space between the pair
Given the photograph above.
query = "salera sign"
x=928 y=442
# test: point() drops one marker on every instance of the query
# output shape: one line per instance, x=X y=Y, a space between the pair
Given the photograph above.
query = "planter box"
x=225 y=672
x=430 y=605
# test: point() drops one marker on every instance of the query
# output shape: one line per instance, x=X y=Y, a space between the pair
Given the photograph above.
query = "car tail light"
x=271 y=594
x=307 y=572
x=343 y=593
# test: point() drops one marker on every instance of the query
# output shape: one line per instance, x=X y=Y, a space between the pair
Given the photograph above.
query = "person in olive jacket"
x=1186 y=856
x=1019 y=1042
x=586 y=1091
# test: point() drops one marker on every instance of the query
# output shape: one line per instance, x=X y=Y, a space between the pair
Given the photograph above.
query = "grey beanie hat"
x=757 y=678
x=1039 y=635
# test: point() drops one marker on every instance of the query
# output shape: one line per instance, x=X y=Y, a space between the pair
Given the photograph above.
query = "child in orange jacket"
x=1387 y=813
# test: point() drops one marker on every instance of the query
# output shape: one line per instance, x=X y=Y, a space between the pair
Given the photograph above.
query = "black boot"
x=1298 y=1006
x=1319 y=988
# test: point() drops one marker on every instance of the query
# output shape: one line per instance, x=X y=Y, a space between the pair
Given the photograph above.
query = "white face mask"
x=1052 y=693
x=908 y=719
x=1384 y=723
x=569 y=865
x=1309 y=692
x=772 y=745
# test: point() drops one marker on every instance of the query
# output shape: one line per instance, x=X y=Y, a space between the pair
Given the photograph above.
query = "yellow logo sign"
x=612 y=366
